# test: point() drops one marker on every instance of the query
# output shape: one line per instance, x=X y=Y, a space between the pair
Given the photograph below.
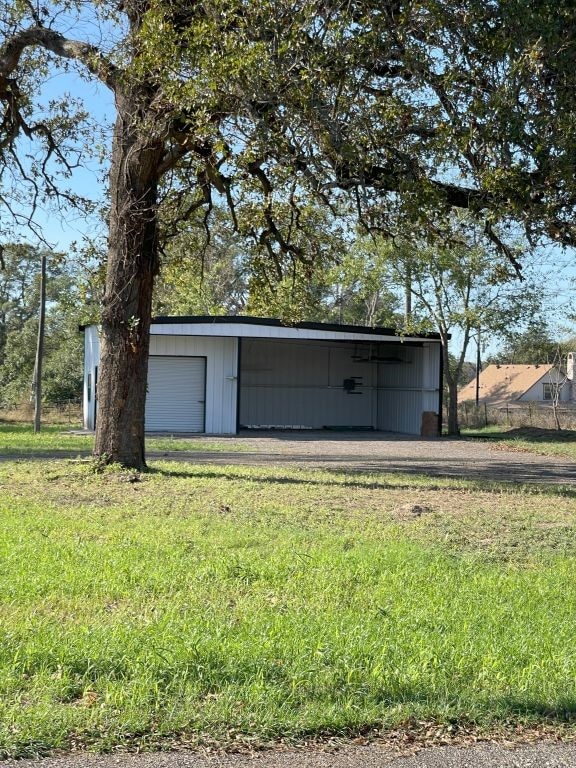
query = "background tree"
x=228 y=273
x=534 y=345
x=203 y=275
x=457 y=288
x=224 y=271
x=359 y=288
x=65 y=310
x=19 y=273
x=297 y=289
x=465 y=373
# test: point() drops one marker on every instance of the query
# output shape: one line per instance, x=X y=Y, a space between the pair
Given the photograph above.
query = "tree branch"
x=52 y=41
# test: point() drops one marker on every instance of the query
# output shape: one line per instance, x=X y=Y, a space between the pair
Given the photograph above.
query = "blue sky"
x=60 y=230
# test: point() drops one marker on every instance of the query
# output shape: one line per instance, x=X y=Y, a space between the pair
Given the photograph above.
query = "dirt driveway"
x=383 y=452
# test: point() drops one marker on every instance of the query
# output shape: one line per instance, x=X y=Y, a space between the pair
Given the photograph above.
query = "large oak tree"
x=405 y=107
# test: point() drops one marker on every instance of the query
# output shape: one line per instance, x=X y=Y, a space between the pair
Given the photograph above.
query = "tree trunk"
x=127 y=304
x=452 y=385
x=453 y=426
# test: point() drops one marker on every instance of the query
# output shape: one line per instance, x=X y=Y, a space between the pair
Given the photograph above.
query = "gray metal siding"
x=408 y=389
x=431 y=377
x=175 y=398
x=300 y=384
x=250 y=330
x=297 y=381
x=400 y=411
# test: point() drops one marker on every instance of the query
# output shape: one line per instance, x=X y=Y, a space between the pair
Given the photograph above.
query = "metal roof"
x=239 y=325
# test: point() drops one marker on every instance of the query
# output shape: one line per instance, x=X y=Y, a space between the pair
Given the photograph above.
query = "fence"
x=527 y=415
x=65 y=412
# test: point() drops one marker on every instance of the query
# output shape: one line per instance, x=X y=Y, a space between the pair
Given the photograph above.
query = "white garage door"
x=176 y=394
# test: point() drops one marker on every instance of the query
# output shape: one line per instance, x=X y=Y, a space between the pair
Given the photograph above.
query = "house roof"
x=504 y=383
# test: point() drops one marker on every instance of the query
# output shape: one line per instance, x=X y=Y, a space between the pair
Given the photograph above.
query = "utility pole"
x=37 y=382
x=478 y=366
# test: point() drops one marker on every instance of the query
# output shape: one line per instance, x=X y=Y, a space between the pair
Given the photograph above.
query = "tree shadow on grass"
x=225 y=474
x=43 y=454
x=357 y=477
x=561 y=711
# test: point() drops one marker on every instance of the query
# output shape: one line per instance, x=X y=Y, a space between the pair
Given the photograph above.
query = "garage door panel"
x=175 y=401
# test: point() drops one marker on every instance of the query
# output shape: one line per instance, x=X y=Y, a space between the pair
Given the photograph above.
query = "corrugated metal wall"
x=408 y=389
x=300 y=384
x=286 y=383
x=431 y=357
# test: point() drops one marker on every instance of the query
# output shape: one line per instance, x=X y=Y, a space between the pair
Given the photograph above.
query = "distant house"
x=509 y=384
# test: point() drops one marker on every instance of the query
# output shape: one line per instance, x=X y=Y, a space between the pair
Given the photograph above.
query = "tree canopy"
x=535 y=345
x=397 y=110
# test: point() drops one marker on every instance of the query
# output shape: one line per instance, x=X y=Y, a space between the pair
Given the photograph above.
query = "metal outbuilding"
x=217 y=375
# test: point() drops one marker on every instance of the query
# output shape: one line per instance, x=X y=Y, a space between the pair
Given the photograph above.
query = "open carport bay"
x=317 y=384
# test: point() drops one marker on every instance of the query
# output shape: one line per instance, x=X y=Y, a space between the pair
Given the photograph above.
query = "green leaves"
x=19 y=302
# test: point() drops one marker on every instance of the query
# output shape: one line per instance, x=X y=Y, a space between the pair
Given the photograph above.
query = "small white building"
x=217 y=375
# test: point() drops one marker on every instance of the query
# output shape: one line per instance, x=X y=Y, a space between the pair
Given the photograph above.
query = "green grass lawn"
x=233 y=604
x=54 y=439
x=546 y=442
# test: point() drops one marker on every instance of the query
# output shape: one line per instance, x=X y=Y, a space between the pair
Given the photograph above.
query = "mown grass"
x=545 y=442
x=232 y=603
x=55 y=439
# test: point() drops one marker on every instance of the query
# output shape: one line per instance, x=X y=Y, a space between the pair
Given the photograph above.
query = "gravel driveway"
x=380 y=452
x=540 y=755
x=385 y=452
